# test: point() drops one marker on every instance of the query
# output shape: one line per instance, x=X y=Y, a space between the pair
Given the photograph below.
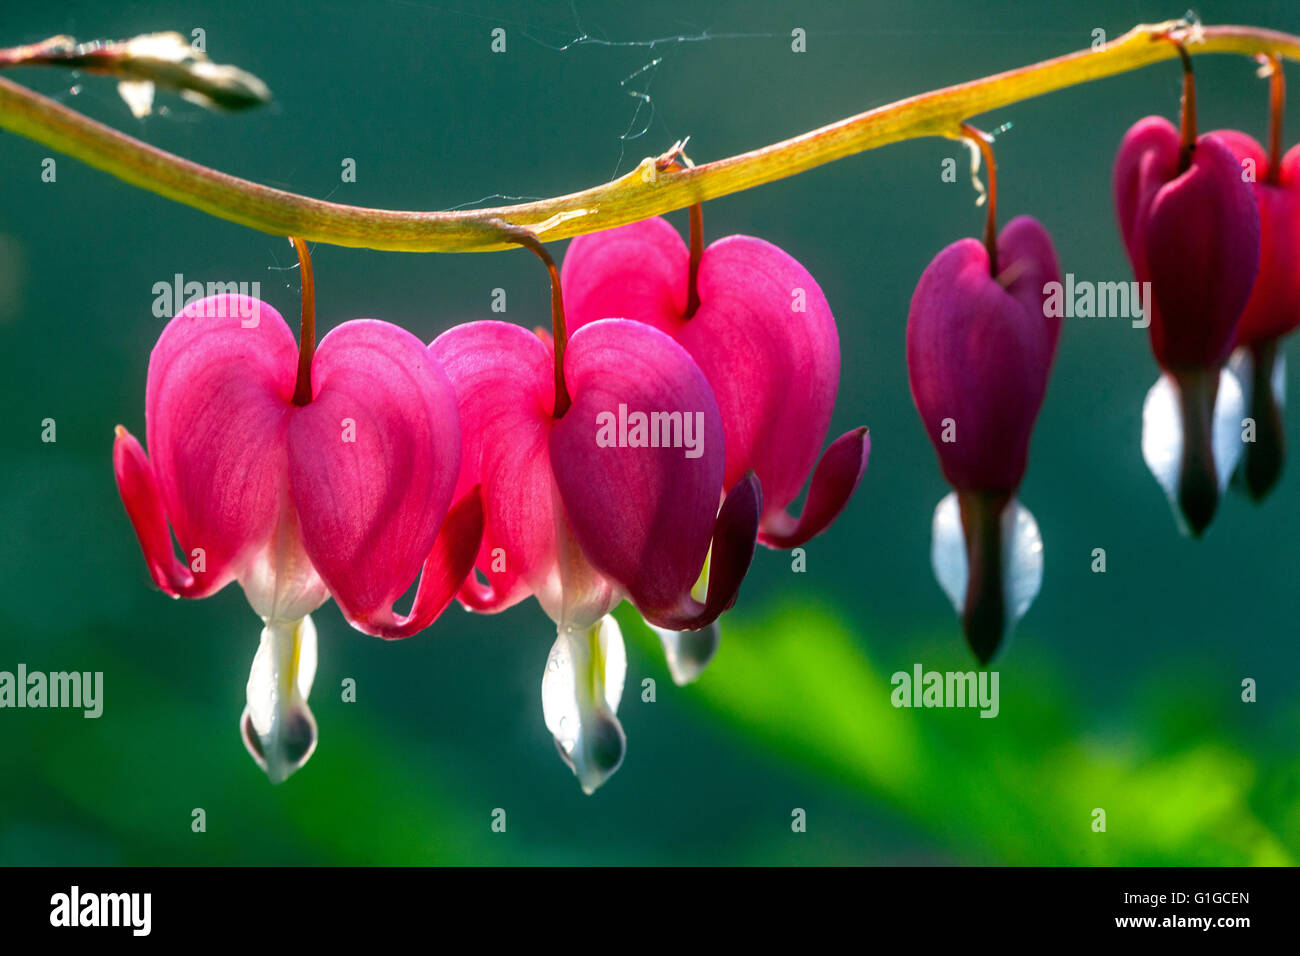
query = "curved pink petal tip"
x=139 y=491
x=445 y=571
x=833 y=483
x=734 y=536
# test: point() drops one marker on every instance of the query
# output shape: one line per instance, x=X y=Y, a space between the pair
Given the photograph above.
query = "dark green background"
x=1120 y=691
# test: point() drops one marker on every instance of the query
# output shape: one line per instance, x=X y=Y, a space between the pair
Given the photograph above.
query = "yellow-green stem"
x=644 y=192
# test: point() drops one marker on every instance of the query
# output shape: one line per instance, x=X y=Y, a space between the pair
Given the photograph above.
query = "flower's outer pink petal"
x=504 y=380
x=639 y=271
x=833 y=483
x=766 y=341
x=1274 y=306
x=1146 y=160
x=763 y=335
x=978 y=359
x=373 y=462
x=139 y=491
x=643 y=515
x=1202 y=251
x=216 y=409
x=1244 y=147
x=445 y=571
x=1027 y=263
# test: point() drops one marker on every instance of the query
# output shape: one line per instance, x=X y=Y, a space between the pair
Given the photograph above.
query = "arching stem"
x=307 y=337
x=985 y=143
x=633 y=196
x=559 y=331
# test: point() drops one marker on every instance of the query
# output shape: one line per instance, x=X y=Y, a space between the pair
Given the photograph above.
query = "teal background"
x=1120 y=691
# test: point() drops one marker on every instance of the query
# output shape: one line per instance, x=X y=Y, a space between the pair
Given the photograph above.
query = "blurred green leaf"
x=1022 y=786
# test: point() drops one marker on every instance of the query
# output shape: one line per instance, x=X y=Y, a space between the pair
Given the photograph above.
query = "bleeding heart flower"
x=1191 y=226
x=1273 y=309
x=299 y=480
x=980 y=345
x=603 y=488
x=759 y=327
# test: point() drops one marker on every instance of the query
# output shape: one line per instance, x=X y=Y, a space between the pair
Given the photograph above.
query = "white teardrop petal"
x=278 y=727
x=1022 y=560
x=948 y=550
x=1022 y=556
x=1162 y=431
x=688 y=652
x=581 y=689
x=1229 y=410
x=1162 y=437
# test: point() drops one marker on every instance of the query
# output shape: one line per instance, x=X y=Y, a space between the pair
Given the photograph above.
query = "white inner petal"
x=688 y=652
x=1162 y=432
x=1022 y=556
x=581 y=689
x=278 y=727
x=1229 y=410
x=948 y=551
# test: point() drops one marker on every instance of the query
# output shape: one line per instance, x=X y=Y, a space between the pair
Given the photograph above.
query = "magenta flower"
x=1191 y=225
x=1273 y=309
x=600 y=468
x=759 y=327
x=332 y=476
x=980 y=345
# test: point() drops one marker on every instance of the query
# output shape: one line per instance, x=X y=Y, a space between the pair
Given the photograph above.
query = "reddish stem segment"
x=1276 y=110
x=559 y=330
x=985 y=143
x=307 y=338
x=697 y=253
x=1187 y=119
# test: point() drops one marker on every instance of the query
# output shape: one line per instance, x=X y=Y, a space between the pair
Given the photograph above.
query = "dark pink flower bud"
x=1193 y=233
x=1191 y=225
x=979 y=351
x=1273 y=309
